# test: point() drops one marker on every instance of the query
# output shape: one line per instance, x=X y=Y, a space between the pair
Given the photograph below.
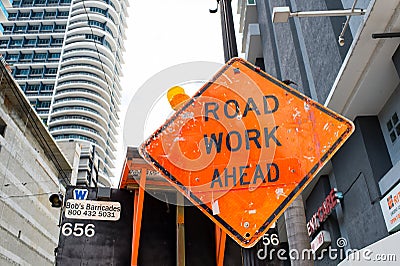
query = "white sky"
x=163 y=33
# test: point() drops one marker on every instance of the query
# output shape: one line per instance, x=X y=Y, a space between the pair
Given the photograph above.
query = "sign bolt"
x=236 y=70
x=246 y=224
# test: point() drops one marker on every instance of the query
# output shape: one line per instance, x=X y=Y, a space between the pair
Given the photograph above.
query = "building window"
x=30 y=42
x=33 y=27
x=37 y=15
x=22 y=72
x=43 y=41
x=57 y=41
x=27 y=3
x=54 y=55
x=44 y=104
x=49 y=14
x=40 y=2
x=3 y=43
x=48 y=87
x=393 y=127
x=20 y=28
x=51 y=71
x=26 y=57
x=389 y=118
x=3 y=126
x=32 y=87
x=98 y=10
x=63 y=14
x=94 y=37
x=12 y=57
x=16 y=3
x=8 y=29
x=47 y=27
x=36 y=71
x=96 y=23
x=23 y=15
x=12 y=16
x=59 y=27
x=15 y=42
x=107 y=44
x=39 y=56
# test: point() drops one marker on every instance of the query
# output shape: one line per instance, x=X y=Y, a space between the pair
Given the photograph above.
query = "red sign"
x=321 y=241
x=244 y=147
x=323 y=212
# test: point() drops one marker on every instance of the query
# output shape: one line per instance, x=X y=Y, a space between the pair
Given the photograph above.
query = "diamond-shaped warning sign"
x=244 y=147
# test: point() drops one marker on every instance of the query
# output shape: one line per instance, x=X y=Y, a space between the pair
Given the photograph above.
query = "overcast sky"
x=164 y=33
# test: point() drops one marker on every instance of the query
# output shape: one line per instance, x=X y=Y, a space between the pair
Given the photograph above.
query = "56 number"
x=270 y=239
x=78 y=229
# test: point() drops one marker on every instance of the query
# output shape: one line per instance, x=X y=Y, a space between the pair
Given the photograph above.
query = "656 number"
x=78 y=229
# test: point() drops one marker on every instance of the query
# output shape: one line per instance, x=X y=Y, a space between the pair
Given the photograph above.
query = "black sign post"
x=96 y=227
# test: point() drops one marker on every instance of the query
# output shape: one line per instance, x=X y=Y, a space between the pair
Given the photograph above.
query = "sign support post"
x=220 y=238
x=230 y=51
x=228 y=30
x=137 y=216
x=180 y=230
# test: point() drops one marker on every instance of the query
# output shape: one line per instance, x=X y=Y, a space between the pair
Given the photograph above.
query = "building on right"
x=354 y=203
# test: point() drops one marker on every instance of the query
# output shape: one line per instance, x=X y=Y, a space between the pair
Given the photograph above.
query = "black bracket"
x=216 y=9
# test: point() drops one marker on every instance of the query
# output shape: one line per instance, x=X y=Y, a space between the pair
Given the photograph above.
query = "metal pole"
x=328 y=13
x=386 y=35
x=230 y=51
x=180 y=230
x=228 y=30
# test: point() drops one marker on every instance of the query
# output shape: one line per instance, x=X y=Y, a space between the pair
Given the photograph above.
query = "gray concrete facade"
x=305 y=50
x=31 y=169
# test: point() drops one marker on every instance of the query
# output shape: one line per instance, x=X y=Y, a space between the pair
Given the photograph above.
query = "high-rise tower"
x=66 y=56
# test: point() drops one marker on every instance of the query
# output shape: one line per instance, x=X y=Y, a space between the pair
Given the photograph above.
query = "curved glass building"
x=66 y=56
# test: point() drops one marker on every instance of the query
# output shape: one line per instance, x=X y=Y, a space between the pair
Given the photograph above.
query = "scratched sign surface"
x=244 y=147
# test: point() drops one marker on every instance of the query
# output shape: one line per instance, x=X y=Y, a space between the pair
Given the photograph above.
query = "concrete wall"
x=28 y=224
x=281 y=57
x=358 y=166
x=304 y=50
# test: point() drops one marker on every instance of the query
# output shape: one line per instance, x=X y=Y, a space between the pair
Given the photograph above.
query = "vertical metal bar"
x=228 y=30
x=217 y=241
x=137 y=218
x=230 y=51
x=221 y=249
x=180 y=231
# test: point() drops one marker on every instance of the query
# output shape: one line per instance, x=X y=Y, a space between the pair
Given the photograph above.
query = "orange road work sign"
x=244 y=147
